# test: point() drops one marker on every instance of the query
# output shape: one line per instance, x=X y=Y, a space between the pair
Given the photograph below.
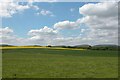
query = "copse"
x=49 y=46
x=5 y=45
x=83 y=46
x=78 y=46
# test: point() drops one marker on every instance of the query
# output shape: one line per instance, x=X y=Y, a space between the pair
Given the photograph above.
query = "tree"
x=49 y=46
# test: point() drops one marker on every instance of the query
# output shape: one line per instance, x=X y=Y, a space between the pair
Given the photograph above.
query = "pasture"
x=59 y=63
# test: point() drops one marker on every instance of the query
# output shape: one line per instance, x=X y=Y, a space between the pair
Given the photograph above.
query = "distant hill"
x=35 y=45
x=84 y=45
x=94 y=47
x=105 y=47
x=76 y=46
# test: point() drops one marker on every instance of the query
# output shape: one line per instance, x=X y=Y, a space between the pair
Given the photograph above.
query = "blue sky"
x=59 y=23
x=27 y=20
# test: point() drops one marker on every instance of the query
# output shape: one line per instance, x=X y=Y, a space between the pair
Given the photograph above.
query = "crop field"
x=59 y=63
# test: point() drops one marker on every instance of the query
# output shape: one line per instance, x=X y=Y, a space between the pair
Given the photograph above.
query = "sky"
x=58 y=23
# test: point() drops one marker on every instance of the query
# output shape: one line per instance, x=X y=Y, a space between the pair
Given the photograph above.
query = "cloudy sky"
x=58 y=23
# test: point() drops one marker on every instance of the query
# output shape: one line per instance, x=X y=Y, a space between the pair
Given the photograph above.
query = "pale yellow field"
x=17 y=47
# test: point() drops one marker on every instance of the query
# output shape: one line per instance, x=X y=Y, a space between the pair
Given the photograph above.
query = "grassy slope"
x=46 y=63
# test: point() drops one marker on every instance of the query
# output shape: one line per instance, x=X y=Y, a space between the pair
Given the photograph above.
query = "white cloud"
x=41 y=1
x=33 y=6
x=45 y=13
x=73 y=0
x=82 y=30
x=100 y=9
x=66 y=25
x=102 y=21
x=102 y=28
x=71 y=41
x=5 y=31
x=11 y=7
x=7 y=36
x=44 y=34
x=43 y=31
x=7 y=9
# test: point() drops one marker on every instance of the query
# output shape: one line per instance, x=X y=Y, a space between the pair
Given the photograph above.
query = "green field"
x=55 y=63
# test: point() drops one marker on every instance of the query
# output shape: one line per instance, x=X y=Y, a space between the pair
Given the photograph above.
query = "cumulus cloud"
x=41 y=1
x=82 y=30
x=45 y=30
x=41 y=36
x=7 y=36
x=11 y=7
x=104 y=9
x=71 y=41
x=5 y=31
x=73 y=0
x=45 y=13
x=102 y=21
x=66 y=25
x=102 y=28
x=44 y=34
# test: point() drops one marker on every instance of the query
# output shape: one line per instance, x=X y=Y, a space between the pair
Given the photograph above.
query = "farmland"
x=59 y=63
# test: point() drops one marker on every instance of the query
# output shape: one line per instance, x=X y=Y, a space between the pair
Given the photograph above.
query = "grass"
x=56 y=63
